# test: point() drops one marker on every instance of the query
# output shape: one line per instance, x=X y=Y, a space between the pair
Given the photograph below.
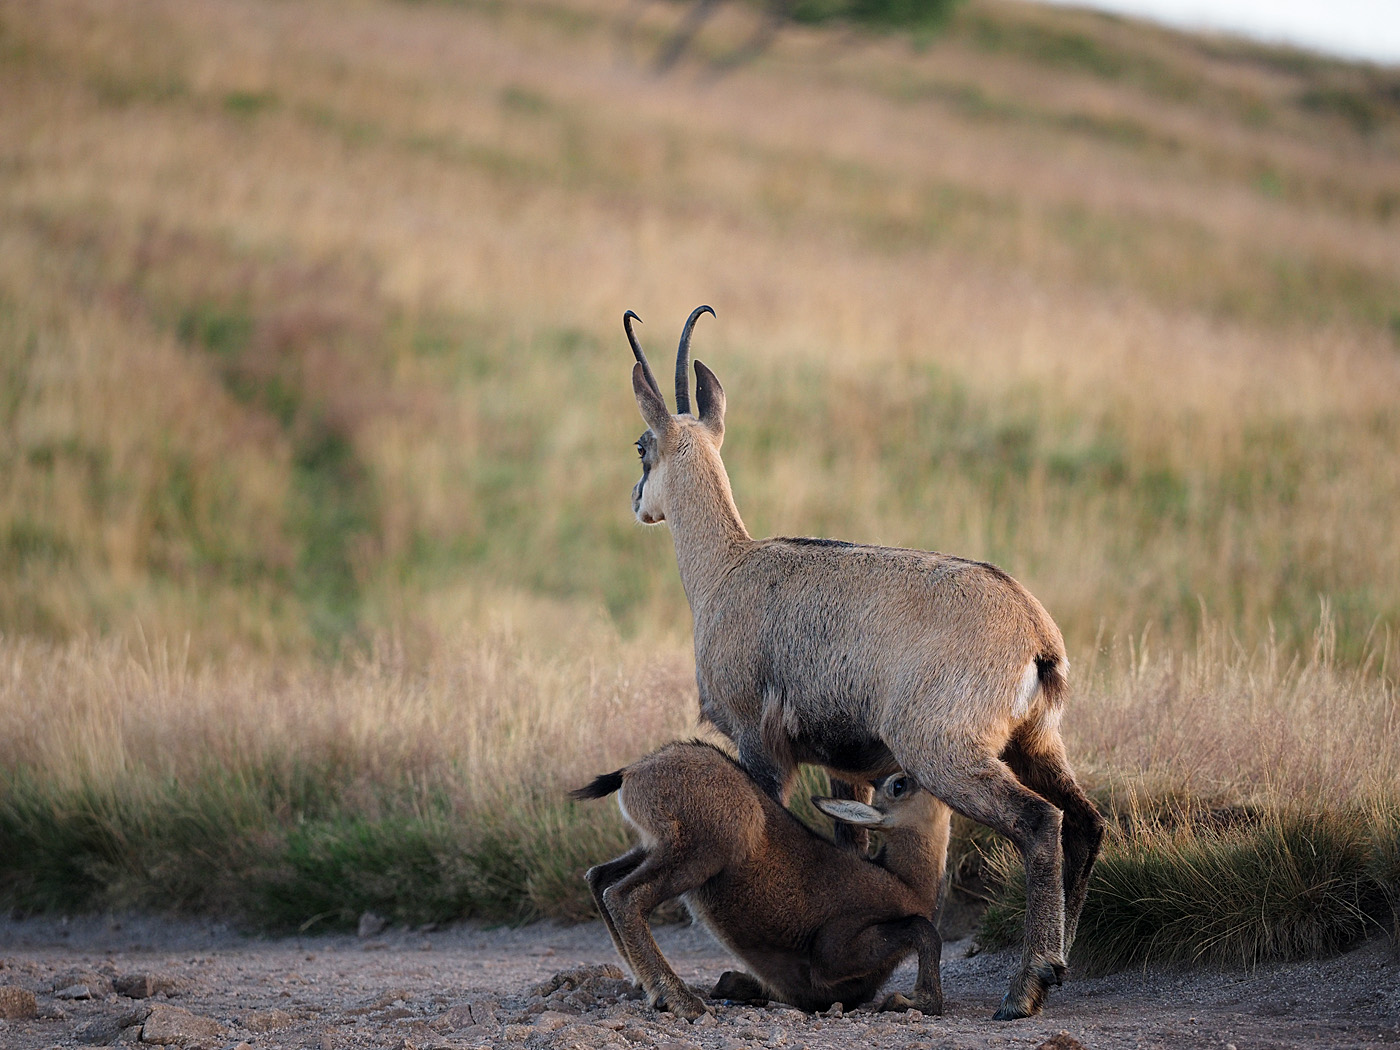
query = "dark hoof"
x=898 y=1002
x=1010 y=1011
x=685 y=1004
x=1029 y=990
x=737 y=986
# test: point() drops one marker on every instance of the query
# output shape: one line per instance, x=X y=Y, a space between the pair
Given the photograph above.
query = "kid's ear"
x=653 y=409
x=709 y=398
x=849 y=811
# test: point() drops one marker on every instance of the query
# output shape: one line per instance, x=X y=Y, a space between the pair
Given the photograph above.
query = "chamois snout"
x=647 y=493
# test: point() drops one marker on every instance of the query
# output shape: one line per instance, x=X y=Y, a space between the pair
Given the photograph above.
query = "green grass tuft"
x=1287 y=886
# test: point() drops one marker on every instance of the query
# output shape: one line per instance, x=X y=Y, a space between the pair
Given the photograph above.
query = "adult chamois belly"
x=843 y=745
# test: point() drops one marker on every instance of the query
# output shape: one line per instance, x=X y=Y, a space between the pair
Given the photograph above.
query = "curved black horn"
x=683 y=360
x=627 y=320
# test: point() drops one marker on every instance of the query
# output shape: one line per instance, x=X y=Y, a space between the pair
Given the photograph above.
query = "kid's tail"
x=601 y=787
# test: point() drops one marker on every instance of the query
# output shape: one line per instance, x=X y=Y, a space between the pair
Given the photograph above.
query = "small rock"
x=1061 y=1041
x=579 y=1000
x=552 y=1021
x=261 y=1021
x=391 y=997
x=705 y=1020
x=834 y=1010
x=74 y=991
x=130 y=1035
x=453 y=1020
x=579 y=977
x=97 y=984
x=175 y=1025
x=143 y=985
x=17 y=1004
x=517 y=1033
x=371 y=925
x=98 y=1032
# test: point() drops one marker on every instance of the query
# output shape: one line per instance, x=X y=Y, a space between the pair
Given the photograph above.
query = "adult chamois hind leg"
x=984 y=789
x=1036 y=755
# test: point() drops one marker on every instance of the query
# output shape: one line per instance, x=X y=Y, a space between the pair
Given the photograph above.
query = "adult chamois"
x=869 y=659
x=816 y=922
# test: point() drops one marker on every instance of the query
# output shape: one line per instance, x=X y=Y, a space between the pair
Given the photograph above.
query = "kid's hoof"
x=739 y=986
x=899 y=1001
x=683 y=1004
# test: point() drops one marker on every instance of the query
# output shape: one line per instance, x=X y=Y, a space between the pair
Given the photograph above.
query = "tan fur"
x=866 y=659
x=815 y=922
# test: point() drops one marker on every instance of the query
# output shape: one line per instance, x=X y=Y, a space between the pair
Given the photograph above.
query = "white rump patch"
x=1026 y=690
x=646 y=839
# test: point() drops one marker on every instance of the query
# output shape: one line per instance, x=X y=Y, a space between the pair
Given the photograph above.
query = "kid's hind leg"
x=600 y=878
x=741 y=987
x=851 y=959
x=1037 y=756
x=630 y=900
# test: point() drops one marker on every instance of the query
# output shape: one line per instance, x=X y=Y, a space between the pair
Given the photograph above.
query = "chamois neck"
x=916 y=858
x=705 y=525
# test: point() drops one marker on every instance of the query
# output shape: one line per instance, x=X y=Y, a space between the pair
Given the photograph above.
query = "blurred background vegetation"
x=315 y=422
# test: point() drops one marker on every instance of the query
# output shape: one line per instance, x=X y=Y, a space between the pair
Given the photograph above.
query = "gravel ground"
x=544 y=986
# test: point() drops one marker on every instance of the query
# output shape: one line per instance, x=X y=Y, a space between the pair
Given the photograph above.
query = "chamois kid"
x=816 y=922
x=867 y=659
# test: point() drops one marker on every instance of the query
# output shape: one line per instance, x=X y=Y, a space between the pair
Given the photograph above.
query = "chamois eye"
x=641 y=452
x=898 y=787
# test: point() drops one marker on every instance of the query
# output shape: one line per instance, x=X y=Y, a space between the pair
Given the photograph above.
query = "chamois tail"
x=601 y=787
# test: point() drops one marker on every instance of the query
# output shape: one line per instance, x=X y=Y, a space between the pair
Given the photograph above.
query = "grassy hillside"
x=316 y=414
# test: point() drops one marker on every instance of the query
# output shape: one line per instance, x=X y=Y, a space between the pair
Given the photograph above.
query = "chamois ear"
x=709 y=398
x=653 y=409
x=850 y=811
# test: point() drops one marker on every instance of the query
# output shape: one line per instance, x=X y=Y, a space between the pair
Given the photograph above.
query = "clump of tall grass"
x=1251 y=803
x=1289 y=885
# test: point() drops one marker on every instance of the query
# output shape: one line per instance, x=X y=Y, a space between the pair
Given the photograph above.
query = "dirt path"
x=469 y=987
